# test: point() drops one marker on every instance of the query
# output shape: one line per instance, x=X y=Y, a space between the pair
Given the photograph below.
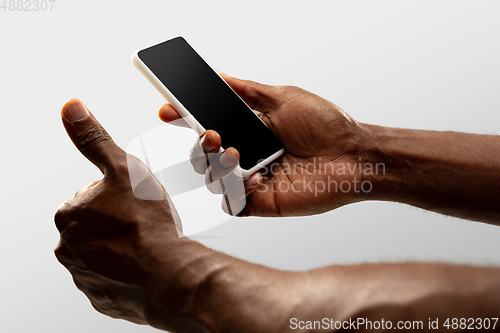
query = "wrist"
x=182 y=269
x=402 y=165
x=381 y=167
x=202 y=290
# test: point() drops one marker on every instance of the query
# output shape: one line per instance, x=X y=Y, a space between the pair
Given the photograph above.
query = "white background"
x=414 y=64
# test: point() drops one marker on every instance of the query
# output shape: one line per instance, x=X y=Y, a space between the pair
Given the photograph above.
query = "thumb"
x=260 y=97
x=90 y=137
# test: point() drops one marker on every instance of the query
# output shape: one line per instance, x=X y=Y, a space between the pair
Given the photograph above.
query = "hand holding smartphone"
x=207 y=102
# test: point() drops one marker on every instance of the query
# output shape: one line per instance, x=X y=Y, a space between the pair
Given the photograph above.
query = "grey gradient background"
x=413 y=64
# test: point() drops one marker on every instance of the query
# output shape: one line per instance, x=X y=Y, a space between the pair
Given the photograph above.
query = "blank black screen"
x=209 y=99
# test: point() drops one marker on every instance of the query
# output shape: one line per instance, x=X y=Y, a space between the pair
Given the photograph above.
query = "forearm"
x=451 y=173
x=208 y=291
x=401 y=292
x=201 y=290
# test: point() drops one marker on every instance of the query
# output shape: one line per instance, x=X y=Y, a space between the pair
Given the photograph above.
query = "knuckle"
x=61 y=219
x=61 y=254
x=279 y=94
x=286 y=90
x=58 y=250
x=90 y=137
x=280 y=90
x=64 y=255
x=68 y=211
x=96 y=306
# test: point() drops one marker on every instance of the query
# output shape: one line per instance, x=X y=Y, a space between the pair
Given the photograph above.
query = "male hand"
x=129 y=257
x=111 y=240
x=319 y=170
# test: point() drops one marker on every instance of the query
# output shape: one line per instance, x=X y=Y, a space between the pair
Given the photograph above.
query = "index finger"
x=168 y=114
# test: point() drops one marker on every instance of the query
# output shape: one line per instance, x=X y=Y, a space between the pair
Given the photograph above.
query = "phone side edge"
x=160 y=87
x=248 y=172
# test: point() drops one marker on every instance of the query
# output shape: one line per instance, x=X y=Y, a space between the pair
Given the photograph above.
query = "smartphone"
x=207 y=102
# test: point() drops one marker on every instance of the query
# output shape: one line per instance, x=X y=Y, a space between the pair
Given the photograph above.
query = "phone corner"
x=179 y=36
x=135 y=58
x=280 y=152
x=246 y=173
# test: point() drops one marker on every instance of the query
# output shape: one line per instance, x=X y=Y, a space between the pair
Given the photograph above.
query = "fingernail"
x=253 y=180
x=74 y=110
x=206 y=143
x=227 y=159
